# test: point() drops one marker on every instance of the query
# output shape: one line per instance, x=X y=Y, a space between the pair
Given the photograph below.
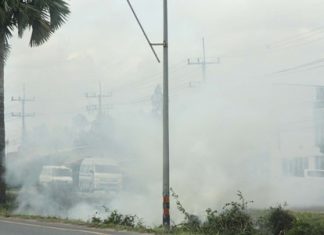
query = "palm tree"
x=43 y=17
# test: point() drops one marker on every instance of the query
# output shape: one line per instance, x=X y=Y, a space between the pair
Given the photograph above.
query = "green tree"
x=43 y=18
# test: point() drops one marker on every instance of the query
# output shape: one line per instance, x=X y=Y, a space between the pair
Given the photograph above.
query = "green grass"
x=224 y=222
x=310 y=217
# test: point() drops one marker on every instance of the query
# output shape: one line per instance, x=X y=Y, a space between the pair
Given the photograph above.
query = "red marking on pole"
x=166 y=212
x=166 y=209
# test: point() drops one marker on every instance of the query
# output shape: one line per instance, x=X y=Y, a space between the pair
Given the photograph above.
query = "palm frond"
x=58 y=11
x=51 y=15
x=22 y=14
x=2 y=16
x=5 y=11
x=5 y=46
x=43 y=17
x=6 y=27
x=41 y=32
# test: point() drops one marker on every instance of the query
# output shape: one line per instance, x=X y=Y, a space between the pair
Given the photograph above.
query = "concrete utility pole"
x=23 y=113
x=166 y=165
x=202 y=61
x=99 y=107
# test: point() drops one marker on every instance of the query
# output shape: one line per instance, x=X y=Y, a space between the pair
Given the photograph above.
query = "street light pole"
x=166 y=165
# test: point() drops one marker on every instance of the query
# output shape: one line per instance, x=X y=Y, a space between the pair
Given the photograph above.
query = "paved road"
x=26 y=227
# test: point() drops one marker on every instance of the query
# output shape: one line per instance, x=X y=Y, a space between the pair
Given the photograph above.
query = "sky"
x=244 y=104
x=254 y=42
x=102 y=42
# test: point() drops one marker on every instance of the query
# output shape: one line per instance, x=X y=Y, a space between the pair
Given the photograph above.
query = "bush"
x=116 y=218
x=233 y=220
x=95 y=220
x=192 y=222
x=277 y=221
x=280 y=220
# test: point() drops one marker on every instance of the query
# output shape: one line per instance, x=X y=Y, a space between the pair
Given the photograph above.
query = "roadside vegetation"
x=235 y=218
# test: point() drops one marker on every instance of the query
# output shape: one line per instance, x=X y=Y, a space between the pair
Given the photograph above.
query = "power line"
x=281 y=44
x=149 y=79
x=147 y=98
x=301 y=43
x=298 y=67
x=298 y=84
x=297 y=38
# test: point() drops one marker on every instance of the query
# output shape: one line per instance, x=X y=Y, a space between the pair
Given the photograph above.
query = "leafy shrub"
x=276 y=221
x=233 y=220
x=115 y=218
x=212 y=222
x=95 y=220
x=280 y=220
x=192 y=222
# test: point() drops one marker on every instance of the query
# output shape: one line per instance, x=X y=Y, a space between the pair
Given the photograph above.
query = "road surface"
x=27 y=227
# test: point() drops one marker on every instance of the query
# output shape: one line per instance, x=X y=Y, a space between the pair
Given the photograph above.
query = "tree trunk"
x=2 y=122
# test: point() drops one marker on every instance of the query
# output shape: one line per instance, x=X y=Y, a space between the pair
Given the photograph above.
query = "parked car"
x=98 y=174
x=56 y=176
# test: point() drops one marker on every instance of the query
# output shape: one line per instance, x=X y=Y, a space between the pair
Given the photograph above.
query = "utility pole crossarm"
x=23 y=99
x=92 y=108
x=96 y=96
x=23 y=114
x=145 y=35
x=100 y=96
x=158 y=44
x=19 y=114
x=16 y=114
x=202 y=61
x=212 y=62
x=194 y=63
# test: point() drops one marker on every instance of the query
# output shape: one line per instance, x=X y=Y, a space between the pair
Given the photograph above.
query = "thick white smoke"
x=223 y=138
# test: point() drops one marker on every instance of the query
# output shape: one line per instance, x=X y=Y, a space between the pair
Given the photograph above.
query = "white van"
x=56 y=176
x=98 y=174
